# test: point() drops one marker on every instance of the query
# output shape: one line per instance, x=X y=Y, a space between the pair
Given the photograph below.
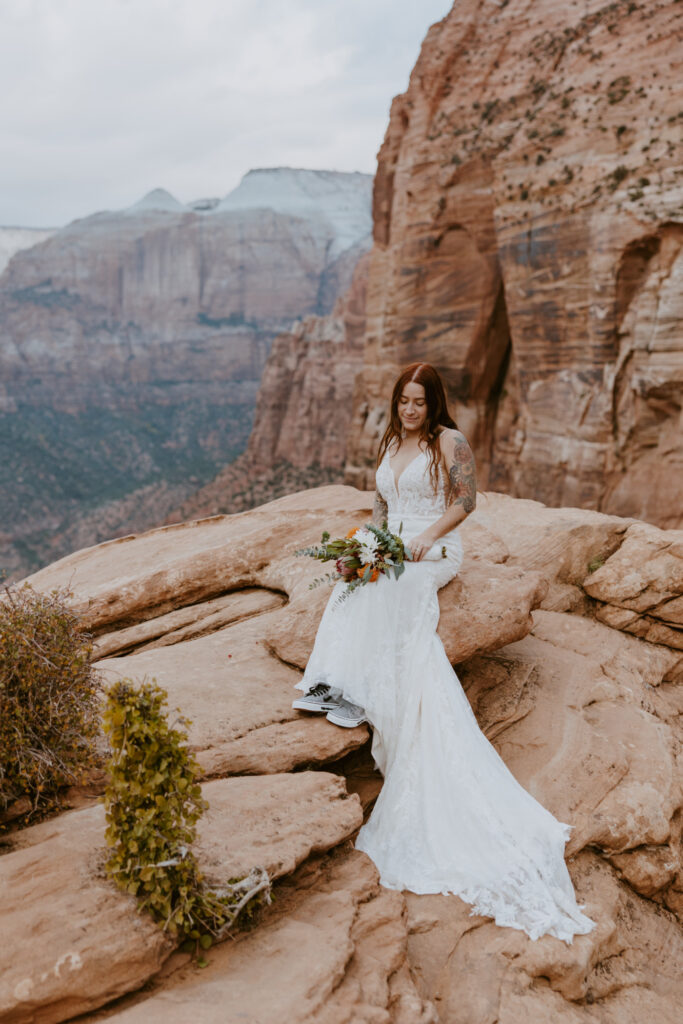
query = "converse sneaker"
x=347 y=714
x=319 y=698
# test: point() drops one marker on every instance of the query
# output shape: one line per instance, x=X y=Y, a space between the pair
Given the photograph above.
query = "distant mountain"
x=132 y=344
x=325 y=196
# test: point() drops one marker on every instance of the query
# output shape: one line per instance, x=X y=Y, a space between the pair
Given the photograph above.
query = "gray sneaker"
x=347 y=715
x=320 y=697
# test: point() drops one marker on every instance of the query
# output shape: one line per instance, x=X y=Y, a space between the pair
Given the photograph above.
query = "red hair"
x=437 y=416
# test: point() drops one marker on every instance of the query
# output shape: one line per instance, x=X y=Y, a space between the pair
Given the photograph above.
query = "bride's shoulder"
x=454 y=446
x=453 y=435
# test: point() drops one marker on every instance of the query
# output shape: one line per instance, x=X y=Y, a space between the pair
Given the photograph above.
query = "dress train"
x=451 y=817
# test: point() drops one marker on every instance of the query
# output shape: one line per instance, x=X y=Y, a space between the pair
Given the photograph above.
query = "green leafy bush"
x=49 y=707
x=153 y=802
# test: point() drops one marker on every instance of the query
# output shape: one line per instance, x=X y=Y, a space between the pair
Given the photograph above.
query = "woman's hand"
x=420 y=545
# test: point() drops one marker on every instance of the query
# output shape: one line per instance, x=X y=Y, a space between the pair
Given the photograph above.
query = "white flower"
x=368 y=545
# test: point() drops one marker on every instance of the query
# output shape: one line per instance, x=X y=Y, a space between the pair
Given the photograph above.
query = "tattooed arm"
x=380 y=512
x=461 y=472
x=459 y=463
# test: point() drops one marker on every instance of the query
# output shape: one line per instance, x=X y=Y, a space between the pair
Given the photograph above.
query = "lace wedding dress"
x=450 y=818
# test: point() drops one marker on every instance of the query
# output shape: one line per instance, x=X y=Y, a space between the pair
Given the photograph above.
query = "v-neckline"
x=401 y=474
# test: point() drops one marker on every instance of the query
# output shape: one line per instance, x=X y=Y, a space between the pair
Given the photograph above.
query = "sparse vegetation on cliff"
x=49 y=709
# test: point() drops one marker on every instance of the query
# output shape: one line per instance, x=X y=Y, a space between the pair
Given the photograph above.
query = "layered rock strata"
x=528 y=241
x=303 y=411
x=565 y=626
x=132 y=344
x=93 y=944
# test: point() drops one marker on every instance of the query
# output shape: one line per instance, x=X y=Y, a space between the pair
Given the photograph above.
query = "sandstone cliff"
x=528 y=240
x=565 y=625
x=132 y=344
x=303 y=411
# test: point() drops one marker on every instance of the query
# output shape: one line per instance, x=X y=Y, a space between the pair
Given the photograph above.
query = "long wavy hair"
x=437 y=414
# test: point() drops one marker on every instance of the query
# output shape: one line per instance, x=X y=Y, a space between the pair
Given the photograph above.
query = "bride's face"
x=412 y=407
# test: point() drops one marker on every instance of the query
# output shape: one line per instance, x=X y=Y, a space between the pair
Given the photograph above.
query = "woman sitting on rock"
x=450 y=817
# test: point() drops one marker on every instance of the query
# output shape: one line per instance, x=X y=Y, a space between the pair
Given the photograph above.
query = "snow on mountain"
x=343 y=199
x=336 y=201
x=14 y=239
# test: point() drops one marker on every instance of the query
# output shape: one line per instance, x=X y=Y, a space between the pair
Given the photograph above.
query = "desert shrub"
x=49 y=708
x=617 y=176
x=153 y=802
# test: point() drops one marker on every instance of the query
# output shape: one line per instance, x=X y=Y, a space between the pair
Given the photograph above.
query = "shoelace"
x=319 y=689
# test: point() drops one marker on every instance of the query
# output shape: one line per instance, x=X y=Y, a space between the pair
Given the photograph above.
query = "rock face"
x=528 y=241
x=132 y=345
x=337 y=953
x=565 y=630
x=93 y=945
x=303 y=411
x=641 y=586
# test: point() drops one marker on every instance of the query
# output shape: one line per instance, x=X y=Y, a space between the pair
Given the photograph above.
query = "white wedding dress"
x=450 y=818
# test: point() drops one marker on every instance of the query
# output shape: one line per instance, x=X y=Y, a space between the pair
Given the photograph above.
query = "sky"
x=104 y=100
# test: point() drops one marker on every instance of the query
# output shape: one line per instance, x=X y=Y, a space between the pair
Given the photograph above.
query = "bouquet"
x=360 y=556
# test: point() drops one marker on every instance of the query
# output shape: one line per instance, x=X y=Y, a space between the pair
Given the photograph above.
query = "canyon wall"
x=303 y=411
x=132 y=345
x=528 y=241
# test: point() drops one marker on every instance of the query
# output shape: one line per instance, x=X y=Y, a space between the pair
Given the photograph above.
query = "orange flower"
x=350 y=534
x=374 y=575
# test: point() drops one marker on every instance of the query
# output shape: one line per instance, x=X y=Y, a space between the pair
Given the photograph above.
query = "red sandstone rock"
x=641 y=583
x=303 y=411
x=586 y=715
x=527 y=210
x=335 y=948
x=78 y=941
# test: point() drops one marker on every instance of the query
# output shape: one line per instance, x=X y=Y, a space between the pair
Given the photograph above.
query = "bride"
x=450 y=817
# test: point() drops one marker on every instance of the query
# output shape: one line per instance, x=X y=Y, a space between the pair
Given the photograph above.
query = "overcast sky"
x=103 y=100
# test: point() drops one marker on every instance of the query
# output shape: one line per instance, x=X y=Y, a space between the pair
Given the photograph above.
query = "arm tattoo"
x=461 y=473
x=380 y=511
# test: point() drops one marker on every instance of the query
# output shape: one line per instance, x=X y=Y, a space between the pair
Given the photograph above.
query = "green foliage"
x=618 y=89
x=617 y=176
x=595 y=564
x=153 y=802
x=49 y=708
x=57 y=467
x=233 y=320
